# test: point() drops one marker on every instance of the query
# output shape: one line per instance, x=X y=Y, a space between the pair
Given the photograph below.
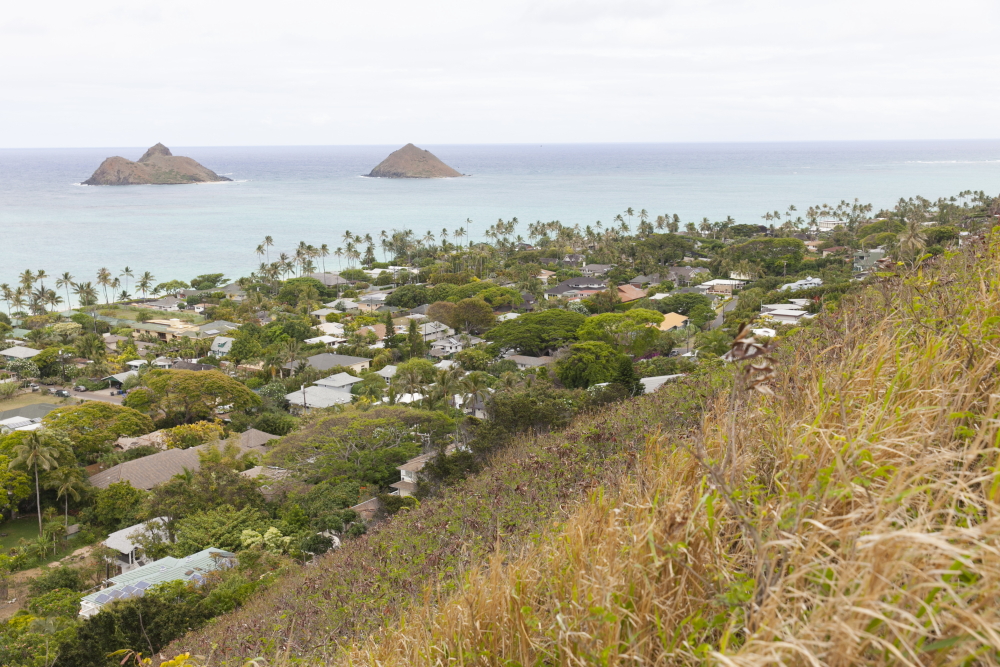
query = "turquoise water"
x=314 y=194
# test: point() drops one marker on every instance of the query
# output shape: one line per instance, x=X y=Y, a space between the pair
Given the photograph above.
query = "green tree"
x=626 y=376
x=191 y=396
x=93 y=426
x=536 y=333
x=415 y=341
x=37 y=450
x=66 y=481
x=629 y=331
x=15 y=485
x=118 y=506
x=408 y=296
x=473 y=315
x=588 y=363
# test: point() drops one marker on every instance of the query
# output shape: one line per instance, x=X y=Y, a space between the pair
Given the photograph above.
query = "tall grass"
x=856 y=523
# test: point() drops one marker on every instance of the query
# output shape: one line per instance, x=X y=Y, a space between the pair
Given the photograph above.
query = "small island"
x=158 y=166
x=412 y=162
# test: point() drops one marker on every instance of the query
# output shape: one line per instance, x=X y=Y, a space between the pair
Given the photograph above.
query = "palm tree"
x=65 y=280
x=37 y=449
x=86 y=293
x=338 y=253
x=67 y=481
x=40 y=277
x=17 y=299
x=411 y=382
x=324 y=252
x=912 y=239
x=126 y=273
x=268 y=242
x=104 y=280
x=6 y=293
x=145 y=282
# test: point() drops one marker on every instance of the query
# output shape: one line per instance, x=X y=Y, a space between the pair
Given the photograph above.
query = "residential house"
x=528 y=301
x=866 y=260
x=332 y=329
x=651 y=384
x=506 y=317
x=545 y=274
x=136 y=582
x=341 y=381
x=686 y=275
x=118 y=379
x=326 y=340
x=155 y=439
x=627 y=293
x=317 y=397
x=387 y=373
x=270 y=478
x=169 y=303
x=409 y=475
x=221 y=346
x=525 y=362
x=789 y=316
x=574 y=259
x=805 y=283
x=453 y=344
x=641 y=281
x=835 y=250
x=126 y=543
x=326 y=361
x=673 y=322
x=149 y=471
x=766 y=308
x=433 y=331
x=330 y=279
x=367 y=509
x=723 y=286
x=593 y=270
x=575 y=287
x=829 y=224
x=19 y=423
x=18 y=352
x=215 y=328
x=549 y=261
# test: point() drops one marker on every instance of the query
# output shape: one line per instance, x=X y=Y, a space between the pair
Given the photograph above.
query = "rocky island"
x=158 y=166
x=412 y=162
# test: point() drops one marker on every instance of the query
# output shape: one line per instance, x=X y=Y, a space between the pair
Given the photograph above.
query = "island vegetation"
x=739 y=441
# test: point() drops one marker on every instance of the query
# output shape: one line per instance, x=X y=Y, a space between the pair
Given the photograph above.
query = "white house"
x=312 y=398
x=221 y=346
x=789 y=316
x=341 y=381
x=18 y=352
x=126 y=543
x=805 y=283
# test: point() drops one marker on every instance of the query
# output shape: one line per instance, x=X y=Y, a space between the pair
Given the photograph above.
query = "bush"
x=52 y=579
x=392 y=504
x=57 y=602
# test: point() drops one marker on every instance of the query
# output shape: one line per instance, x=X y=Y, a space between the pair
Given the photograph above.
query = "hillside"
x=157 y=166
x=412 y=162
x=850 y=518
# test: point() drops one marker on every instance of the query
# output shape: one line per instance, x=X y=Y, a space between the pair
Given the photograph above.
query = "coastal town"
x=199 y=433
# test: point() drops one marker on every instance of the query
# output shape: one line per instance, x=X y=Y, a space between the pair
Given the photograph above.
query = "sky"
x=226 y=73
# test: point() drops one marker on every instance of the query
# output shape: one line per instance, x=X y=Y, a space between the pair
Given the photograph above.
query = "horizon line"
x=533 y=143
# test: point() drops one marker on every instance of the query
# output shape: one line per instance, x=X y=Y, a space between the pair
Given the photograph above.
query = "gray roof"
x=327 y=360
x=33 y=411
x=222 y=344
x=19 y=352
x=339 y=380
x=126 y=540
x=319 y=397
x=387 y=372
x=149 y=471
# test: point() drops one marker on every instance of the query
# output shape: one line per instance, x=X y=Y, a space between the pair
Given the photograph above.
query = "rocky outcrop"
x=157 y=166
x=412 y=162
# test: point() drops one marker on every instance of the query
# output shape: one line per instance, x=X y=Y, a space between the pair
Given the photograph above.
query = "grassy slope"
x=422 y=554
x=857 y=524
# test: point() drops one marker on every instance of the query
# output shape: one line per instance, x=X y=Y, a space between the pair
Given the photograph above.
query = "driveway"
x=102 y=395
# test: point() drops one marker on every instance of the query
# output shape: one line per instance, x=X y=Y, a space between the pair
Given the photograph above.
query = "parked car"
x=61 y=393
x=79 y=387
x=33 y=386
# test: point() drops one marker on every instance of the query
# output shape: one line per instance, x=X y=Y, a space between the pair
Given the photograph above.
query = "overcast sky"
x=221 y=72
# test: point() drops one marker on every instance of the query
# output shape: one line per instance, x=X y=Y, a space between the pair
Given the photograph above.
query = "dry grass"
x=857 y=522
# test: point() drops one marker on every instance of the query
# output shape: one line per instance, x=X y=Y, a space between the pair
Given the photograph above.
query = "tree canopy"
x=630 y=331
x=537 y=333
x=93 y=426
x=589 y=362
x=190 y=396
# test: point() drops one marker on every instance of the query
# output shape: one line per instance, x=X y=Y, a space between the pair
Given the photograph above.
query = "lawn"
x=26 y=527
x=31 y=398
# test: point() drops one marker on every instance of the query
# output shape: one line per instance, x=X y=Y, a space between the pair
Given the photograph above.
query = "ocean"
x=314 y=194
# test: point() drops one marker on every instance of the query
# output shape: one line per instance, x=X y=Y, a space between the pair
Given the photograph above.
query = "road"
x=102 y=395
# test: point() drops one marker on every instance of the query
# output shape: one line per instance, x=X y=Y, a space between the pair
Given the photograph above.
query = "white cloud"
x=453 y=72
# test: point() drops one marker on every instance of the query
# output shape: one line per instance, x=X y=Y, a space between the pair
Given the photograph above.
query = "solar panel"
x=115 y=594
x=142 y=585
x=102 y=599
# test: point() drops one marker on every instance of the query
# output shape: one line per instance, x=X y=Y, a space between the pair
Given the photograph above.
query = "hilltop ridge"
x=412 y=162
x=157 y=166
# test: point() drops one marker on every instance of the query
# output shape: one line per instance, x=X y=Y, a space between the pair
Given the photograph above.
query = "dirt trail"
x=17 y=583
